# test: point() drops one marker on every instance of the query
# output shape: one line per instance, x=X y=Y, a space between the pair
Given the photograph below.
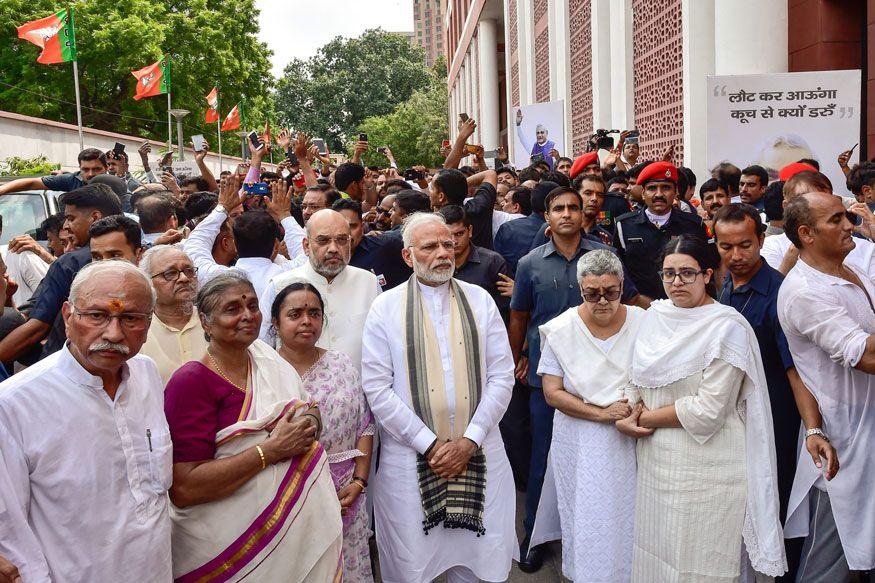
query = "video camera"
x=601 y=140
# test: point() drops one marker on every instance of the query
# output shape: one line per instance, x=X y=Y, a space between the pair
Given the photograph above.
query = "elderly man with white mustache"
x=86 y=448
x=438 y=374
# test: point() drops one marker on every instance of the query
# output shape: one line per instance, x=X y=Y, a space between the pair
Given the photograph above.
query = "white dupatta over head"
x=679 y=342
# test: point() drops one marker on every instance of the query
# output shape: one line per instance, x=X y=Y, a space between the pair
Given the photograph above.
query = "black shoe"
x=531 y=559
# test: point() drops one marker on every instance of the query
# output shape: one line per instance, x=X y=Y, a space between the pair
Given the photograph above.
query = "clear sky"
x=297 y=28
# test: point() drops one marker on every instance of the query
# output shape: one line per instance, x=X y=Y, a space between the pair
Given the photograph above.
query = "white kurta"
x=89 y=475
x=827 y=321
x=862 y=256
x=592 y=490
x=171 y=348
x=348 y=298
x=407 y=554
x=27 y=270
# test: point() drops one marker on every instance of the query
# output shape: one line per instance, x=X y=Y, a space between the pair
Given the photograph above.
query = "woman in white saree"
x=707 y=478
x=252 y=496
x=585 y=357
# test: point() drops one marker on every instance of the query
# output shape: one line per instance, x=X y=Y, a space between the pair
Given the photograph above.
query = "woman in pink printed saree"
x=252 y=494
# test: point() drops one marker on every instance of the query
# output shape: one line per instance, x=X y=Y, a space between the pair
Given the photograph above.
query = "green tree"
x=210 y=42
x=347 y=81
x=415 y=129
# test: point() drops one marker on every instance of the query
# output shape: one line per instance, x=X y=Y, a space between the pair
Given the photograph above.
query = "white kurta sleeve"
x=704 y=413
x=548 y=364
x=265 y=303
x=828 y=325
x=499 y=377
x=378 y=381
x=199 y=246
x=18 y=543
x=294 y=237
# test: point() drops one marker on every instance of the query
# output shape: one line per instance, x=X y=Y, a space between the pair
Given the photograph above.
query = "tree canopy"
x=414 y=129
x=349 y=80
x=210 y=43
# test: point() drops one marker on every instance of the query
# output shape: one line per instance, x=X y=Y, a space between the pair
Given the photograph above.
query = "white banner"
x=773 y=120
x=537 y=129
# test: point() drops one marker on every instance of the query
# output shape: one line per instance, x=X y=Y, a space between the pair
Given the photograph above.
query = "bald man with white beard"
x=347 y=291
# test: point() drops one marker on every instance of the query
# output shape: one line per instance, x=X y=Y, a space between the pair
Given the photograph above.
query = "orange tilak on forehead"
x=116 y=305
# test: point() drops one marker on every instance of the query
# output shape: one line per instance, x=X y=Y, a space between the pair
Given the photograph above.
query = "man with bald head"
x=175 y=335
x=780 y=253
x=347 y=291
x=825 y=309
x=86 y=448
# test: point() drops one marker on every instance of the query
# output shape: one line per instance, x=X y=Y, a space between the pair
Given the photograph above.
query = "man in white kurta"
x=347 y=291
x=86 y=449
x=407 y=554
x=826 y=312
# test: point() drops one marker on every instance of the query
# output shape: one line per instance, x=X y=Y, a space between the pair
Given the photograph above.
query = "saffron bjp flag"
x=232 y=120
x=212 y=115
x=152 y=80
x=54 y=35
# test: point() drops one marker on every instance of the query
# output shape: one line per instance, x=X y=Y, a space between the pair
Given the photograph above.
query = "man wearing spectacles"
x=175 y=335
x=89 y=419
x=348 y=291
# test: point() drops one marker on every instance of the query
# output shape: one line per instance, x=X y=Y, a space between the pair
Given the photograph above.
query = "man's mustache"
x=109 y=347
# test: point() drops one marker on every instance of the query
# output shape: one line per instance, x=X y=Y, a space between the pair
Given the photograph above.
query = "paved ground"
x=551 y=572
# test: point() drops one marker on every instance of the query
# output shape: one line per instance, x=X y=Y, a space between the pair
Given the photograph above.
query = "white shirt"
x=499 y=218
x=88 y=475
x=348 y=298
x=658 y=220
x=862 y=256
x=27 y=270
x=199 y=245
x=827 y=321
x=406 y=553
x=260 y=270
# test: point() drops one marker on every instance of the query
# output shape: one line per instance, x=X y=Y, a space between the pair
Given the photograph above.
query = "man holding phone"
x=118 y=165
x=91 y=163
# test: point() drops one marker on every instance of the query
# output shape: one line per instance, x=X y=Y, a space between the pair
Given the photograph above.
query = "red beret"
x=582 y=162
x=791 y=170
x=658 y=171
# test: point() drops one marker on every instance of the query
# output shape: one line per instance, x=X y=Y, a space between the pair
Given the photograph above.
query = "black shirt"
x=614 y=206
x=482 y=268
x=640 y=244
x=479 y=208
x=381 y=255
x=514 y=238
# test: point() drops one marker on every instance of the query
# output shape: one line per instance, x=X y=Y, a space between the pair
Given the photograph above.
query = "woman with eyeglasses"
x=585 y=356
x=252 y=495
x=706 y=476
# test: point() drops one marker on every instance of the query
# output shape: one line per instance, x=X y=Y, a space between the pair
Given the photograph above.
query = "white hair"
x=541 y=128
x=417 y=220
x=599 y=262
x=151 y=255
x=115 y=266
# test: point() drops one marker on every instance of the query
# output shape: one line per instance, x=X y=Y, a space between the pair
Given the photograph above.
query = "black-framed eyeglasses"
x=135 y=321
x=173 y=274
x=595 y=296
x=686 y=275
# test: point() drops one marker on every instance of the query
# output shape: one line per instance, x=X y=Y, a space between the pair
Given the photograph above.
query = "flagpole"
x=219 y=125
x=169 y=107
x=76 y=77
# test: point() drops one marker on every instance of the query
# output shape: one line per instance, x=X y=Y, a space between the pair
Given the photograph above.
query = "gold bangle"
x=357 y=483
x=261 y=455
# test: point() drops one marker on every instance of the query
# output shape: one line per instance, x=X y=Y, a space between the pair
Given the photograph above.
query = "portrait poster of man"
x=538 y=129
x=775 y=119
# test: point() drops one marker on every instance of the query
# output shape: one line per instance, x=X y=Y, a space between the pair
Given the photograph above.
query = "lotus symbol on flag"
x=40 y=36
x=146 y=79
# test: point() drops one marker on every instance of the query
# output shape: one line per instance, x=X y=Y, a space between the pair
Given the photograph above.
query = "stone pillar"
x=622 y=69
x=600 y=23
x=487 y=49
x=750 y=37
x=698 y=63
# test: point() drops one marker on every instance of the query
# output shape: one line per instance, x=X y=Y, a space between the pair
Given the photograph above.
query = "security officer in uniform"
x=641 y=235
x=613 y=205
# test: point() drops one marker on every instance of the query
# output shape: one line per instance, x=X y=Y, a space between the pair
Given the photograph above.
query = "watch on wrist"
x=816 y=431
x=221 y=208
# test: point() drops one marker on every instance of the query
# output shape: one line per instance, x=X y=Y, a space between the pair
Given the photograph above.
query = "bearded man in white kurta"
x=438 y=374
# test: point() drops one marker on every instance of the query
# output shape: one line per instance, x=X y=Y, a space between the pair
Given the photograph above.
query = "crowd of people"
x=249 y=377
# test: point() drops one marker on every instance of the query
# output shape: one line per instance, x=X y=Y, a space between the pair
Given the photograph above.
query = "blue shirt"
x=63 y=182
x=381 y=255
x=757 y=301
x=514 y=238
x=545 y=286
